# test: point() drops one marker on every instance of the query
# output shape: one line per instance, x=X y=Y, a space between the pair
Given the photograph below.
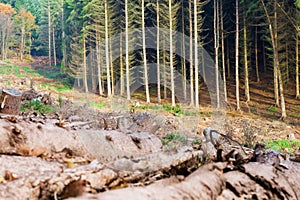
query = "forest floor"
x=141 y=143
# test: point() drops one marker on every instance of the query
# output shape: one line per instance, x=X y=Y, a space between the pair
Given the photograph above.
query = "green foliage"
x=176 y=110
x=273 y=109
x=37 y=106
x=97 y=105
x=60 y=100
x=173 y=138
x=283 y=144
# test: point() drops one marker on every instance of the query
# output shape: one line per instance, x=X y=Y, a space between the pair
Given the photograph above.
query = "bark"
x=247 y=93
x=98 y=57
x=53 y=44
x=223 y=51
x=145 y=54
x=127 y=52
x=122 y=79
x=216 y=48
x=297 y=66
x=237 y=81
x=10 y=102
x=196 y=60
x=111 y=67
x=49 y=32
x=183 y=60
x=84 y=64
x=256 y=57
x=158 y=52
x=191 y=54
x=171 y=54
x=107 y=51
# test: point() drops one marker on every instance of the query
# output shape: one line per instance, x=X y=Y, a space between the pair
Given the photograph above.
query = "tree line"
x=244 y=38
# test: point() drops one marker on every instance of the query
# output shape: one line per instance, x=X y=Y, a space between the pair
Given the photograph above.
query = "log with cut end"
x=10 y=101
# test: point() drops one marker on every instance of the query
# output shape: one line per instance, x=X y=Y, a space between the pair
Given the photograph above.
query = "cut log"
x=10 y=101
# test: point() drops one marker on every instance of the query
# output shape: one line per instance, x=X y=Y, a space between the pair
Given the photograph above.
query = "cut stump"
x=10 y=101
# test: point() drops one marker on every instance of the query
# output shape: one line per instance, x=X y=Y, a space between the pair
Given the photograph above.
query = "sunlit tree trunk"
x=216 y=48
x=158 y=52
x=223 y=51
x=165 y=70
x=63 y=38
x=247 y=93
x=22 y=40
x=228 y=58
x=287 y=61
x=191 y=54
x=144 y=54
x=122 y=80
x=107 y=51
x=297 y=66
x=196 y=55
x=112 y=75
x=127 y=51
x=171 y=54
x=54 y=45
x=274 y=58
x=49 y=32
x=85 y=84
x=237 y=81
x=98 y=56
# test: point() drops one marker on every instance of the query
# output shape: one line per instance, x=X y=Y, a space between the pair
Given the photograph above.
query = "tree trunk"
x=247 y=93
x=122 y=79
x=183 y=61
x=85 y=84
x=107 y=51
x=256 y=57
x=157 y=52
x=54 y=46
x=191 y=54
x=127 y=52
x=287 y=61
x=196 y=56
x=165 y=71
x=171 y=53
x=49 y=32
x=63 y=39
x=144 y=54
x=297 y=66
x=223 y=51
x=111 y=67
x=216 y=48
x=98 y=56
x=228 y=58
x=237 y=81
x=10 y=101
x=275 y=70
x=22 y=42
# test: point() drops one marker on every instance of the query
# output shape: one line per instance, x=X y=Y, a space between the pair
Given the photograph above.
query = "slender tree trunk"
x=165 y=71
x=158 y=52
x=49 y=32
x=191 y=54
x=196 y=56
x=297 y=66
x=122 y=79
x=237 y=81
x=247 y=93
x=85 y=84
x=264 y=56
x=223 y=51
x=107 y=50
x=144 y=54
x=63 y=39
x=256 y=57
x=127 y=52
x=54 y=46
x=111 y=67
x=183 y=61
x=98 y=55
x=216 y=48
x=22 y=41
x=273 y=34
x=171 y=53
x=274 y=58
x=287 y=61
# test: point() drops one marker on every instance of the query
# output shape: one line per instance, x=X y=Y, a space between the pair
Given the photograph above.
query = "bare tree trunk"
x=111 y=68
x=274 y=58
x=107 y=50
x=287 y=61
x=223 y=51
x=191 y=54
x=85 y=84
x=171 y=54
x=144 y=54
x=297 y=66
x=247 y=93
x=22 y=41
x=228 y=59
x=63 y=42
x=98 y=55
x=183 y=61
x=196 y=56
x=157 y=52
x=256 y=57
x=122 y=80
x=216 y=48
x=264 y=56
x=127 y=51
x=49 y=32
x=54 y=46
x=237 y=81
x=165 y=71
x=273 y=34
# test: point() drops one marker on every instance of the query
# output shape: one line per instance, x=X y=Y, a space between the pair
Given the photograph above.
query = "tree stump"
x=10 y=101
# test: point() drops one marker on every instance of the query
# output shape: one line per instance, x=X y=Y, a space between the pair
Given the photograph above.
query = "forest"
x=108 y=46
